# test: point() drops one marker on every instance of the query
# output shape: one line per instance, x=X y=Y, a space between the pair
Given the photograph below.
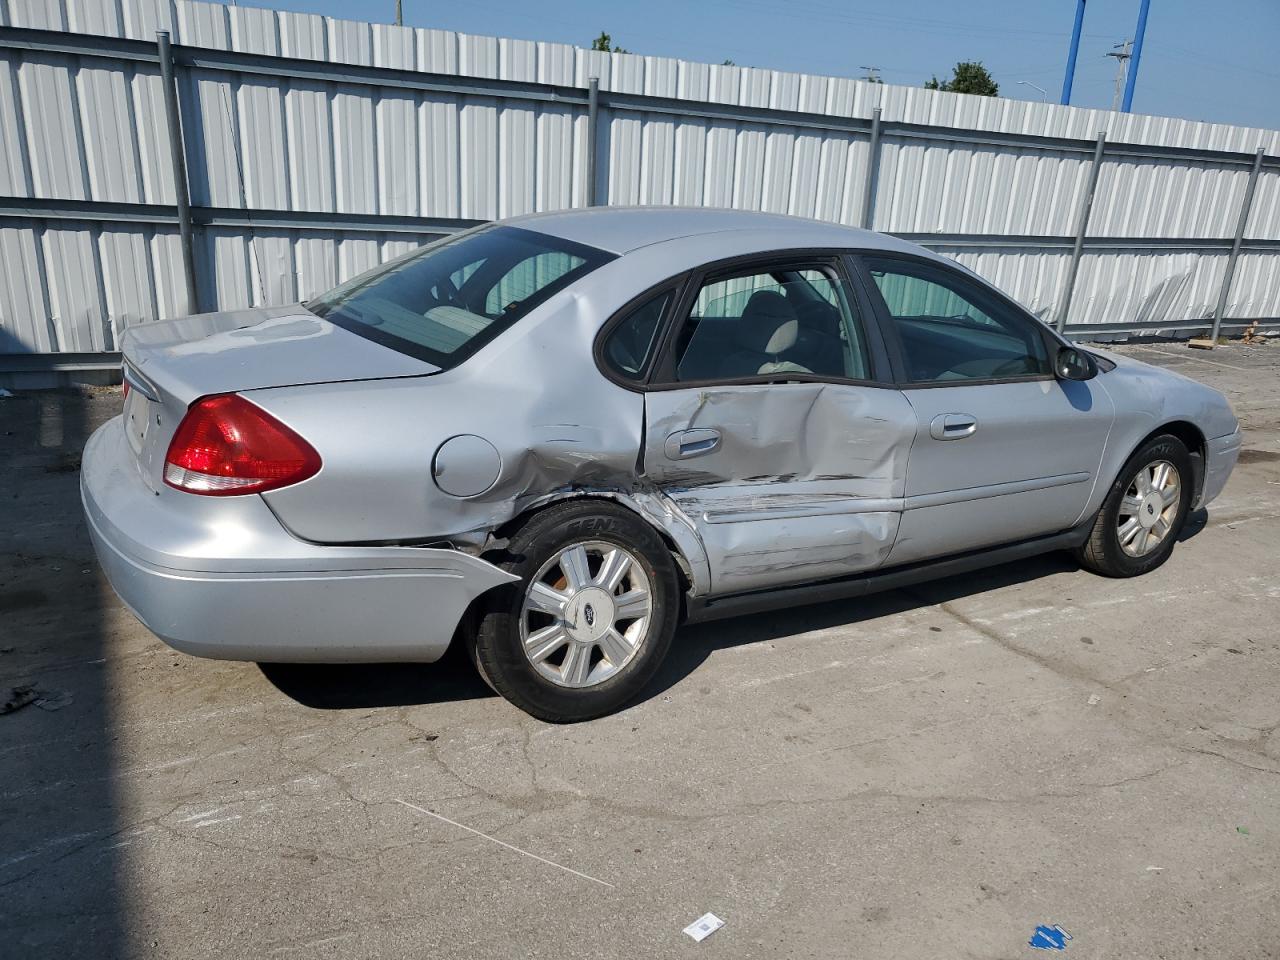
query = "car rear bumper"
x=220 y=577
x=1220 y=459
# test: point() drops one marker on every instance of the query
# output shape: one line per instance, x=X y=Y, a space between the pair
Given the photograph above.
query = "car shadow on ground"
x=694 y=644
x=328 y=686
x=453 y=677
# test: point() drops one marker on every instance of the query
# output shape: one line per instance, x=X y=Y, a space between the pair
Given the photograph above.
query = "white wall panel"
x=517 y=153
x=355 y=164
x=106 y=126
x=308 y=125
x=80 y=128
x=208 y=97
x=1147 y=198
x=263 y=158
x=127 y=284
x=397 y=122
x=151 y=137
x=556 y=159
x=439 y=158
x=14 y=175
x=317 y=260
x=78 y=309
x=229 y=252
x=25 y=319
x=253 y=30
x=1264 y=217
x=50 y=107
x=478 y=158
x=272 y=275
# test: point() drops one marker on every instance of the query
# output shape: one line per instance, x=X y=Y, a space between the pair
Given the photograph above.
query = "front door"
x=765 y=426
x=1003 y=450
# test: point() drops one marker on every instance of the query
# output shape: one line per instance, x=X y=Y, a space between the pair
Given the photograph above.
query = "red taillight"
x=226 y=445
x=126 y=390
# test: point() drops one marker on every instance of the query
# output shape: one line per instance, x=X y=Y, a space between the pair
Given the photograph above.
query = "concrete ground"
x=927 y=773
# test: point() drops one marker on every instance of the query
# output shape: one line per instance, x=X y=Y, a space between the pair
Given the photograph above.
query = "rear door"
x=1003 y=450
x=771 y=424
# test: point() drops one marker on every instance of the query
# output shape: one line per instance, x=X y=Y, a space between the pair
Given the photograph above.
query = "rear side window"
x=629 y=345
x=445 y=301
x=772 y=322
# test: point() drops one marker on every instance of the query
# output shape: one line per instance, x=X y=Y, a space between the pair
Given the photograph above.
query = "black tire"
x=497 y=647
x=1102 y=552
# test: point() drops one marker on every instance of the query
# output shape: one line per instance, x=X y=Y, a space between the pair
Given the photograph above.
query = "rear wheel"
x=1144 y=512
x=590 y=620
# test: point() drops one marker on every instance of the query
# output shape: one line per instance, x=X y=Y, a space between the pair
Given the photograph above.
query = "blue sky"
x=1204 y=59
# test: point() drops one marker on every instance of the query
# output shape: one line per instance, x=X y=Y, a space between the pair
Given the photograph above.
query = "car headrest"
x=768 y=324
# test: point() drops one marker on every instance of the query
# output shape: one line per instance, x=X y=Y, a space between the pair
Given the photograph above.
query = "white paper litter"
x=703 y=927
x=1094 y=700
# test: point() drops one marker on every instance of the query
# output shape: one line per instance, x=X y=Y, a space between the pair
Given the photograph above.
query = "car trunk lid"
x=170 y=364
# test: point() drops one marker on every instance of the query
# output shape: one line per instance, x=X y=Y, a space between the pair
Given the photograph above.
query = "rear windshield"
x=443 y=302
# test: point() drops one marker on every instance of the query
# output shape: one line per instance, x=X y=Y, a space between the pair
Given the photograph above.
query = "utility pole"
x=1139 y=34
x=1070 y=76
x=872 y=75
x=1122 y=60
x=399 y=15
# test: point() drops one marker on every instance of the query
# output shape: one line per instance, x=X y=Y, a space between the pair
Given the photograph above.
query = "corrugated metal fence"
x=314 y=148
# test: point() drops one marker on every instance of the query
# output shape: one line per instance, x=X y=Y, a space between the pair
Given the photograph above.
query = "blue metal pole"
x=1132 y=78
x=1071 y=55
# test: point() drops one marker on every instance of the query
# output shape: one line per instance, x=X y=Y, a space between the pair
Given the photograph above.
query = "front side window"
x=773 y=322
x=445 y=301
x=953 y=330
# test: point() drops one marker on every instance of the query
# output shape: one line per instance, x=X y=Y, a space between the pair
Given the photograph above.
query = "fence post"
x=593 y=132
x=873 y=171
x=178 y=159
x=1082 y=227
x=1245 y=206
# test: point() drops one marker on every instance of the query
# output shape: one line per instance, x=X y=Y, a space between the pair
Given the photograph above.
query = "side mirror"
x=1073 y=364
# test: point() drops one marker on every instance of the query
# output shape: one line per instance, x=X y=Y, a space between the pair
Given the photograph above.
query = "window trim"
x=673 y=285
x=889 y=328
x=662 y=372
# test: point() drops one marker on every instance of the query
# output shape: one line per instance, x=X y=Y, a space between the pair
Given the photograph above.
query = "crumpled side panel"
x=560 y=428
x=806 y=483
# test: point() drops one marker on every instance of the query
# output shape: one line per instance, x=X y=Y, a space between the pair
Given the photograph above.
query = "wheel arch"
x=1193 y=439
x=656 y=511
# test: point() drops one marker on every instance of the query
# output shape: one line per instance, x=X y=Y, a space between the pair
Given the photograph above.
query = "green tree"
x=604 y=43
x=969 y=76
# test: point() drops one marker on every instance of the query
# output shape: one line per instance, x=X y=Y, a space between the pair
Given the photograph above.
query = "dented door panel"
x=784 y=482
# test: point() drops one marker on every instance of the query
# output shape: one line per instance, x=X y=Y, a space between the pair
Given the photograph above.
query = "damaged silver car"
x=557 y=437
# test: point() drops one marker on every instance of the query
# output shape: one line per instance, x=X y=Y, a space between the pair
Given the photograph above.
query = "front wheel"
x=1144 y=511
x=591 y=619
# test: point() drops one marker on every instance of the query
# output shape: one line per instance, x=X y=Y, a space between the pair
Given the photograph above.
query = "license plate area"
x=137 y=420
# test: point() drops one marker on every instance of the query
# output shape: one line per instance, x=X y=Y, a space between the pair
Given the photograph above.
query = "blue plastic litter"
x=1049 y=938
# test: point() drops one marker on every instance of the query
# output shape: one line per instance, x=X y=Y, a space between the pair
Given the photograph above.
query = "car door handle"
x=953 y=426
x=692 y=443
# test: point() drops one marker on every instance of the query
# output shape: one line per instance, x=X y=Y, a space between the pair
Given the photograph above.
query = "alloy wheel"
x=1149 y=508
x=586 y=614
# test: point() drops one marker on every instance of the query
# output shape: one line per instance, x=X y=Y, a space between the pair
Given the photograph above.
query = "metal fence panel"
x=370 y=138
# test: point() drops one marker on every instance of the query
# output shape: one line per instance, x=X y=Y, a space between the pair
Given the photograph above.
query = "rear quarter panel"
x=534 y=394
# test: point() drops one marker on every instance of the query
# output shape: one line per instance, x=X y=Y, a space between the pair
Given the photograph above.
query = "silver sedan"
x=554 y=439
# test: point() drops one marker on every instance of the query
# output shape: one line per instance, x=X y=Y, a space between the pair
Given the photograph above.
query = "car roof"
x=621 y=230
